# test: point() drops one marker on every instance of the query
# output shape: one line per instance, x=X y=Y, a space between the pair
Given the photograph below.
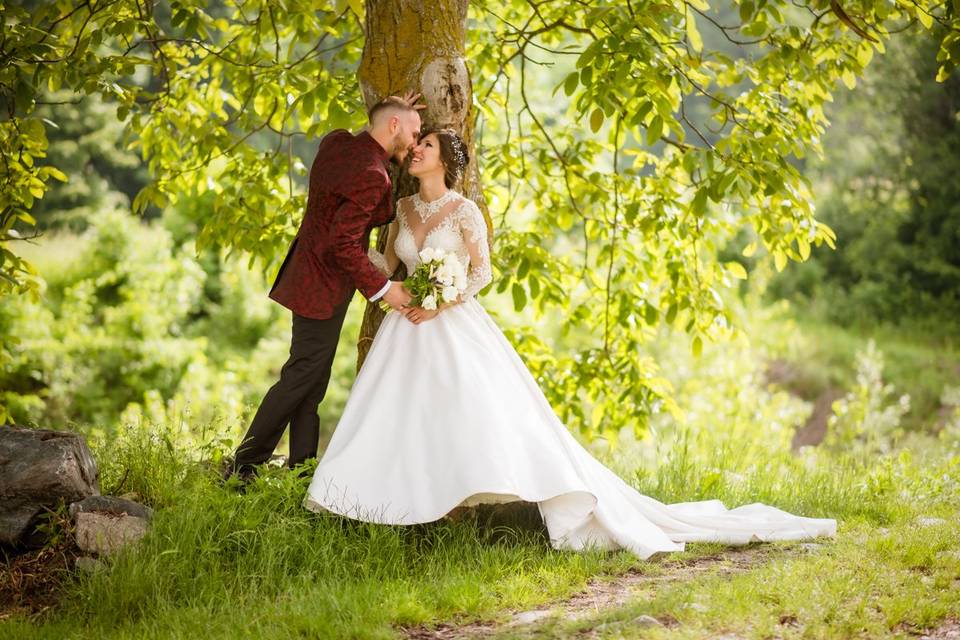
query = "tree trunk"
x=412 y=45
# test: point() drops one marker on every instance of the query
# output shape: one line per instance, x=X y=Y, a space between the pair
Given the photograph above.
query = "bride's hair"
x=453 y=154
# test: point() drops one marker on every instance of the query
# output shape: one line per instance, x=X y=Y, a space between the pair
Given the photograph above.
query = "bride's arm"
x=475 y=237
x=391 y=253
x=386 y=262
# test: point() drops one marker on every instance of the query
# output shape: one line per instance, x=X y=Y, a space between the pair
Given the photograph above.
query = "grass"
x=920 y=364
x=219 y=564
x=869 y=583
x=222 y=564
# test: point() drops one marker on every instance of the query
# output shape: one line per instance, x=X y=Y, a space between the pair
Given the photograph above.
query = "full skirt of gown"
x=446 y=414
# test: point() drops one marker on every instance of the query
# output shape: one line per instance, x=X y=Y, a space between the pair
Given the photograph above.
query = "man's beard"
x=397 y=156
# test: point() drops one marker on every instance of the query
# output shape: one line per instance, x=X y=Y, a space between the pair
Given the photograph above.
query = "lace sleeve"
x=378 y=260
x=388 y=262
x=474 y=229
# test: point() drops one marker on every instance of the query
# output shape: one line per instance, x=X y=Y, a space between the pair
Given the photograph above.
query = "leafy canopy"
x=672 y=126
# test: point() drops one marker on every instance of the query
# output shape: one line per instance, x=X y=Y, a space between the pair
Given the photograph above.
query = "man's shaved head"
x=387 y=108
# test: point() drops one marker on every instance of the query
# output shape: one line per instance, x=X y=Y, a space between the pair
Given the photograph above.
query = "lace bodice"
x=460 y=229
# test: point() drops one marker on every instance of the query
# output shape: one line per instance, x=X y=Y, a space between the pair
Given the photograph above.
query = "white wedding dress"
x=445 y=414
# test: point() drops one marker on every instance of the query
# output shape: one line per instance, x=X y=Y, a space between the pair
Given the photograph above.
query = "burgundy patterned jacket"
x=350 y=194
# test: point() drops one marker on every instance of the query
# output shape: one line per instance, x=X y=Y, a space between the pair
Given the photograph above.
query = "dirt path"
x=29 y=581
x=605 y=594
x=947 y=630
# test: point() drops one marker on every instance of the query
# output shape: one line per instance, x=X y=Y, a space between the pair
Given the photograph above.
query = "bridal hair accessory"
x=459 y=155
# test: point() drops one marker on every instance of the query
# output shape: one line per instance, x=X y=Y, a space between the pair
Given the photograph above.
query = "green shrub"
x=125 y=322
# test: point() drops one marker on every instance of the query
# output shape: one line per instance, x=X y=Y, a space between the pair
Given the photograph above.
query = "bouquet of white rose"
x=440 y=277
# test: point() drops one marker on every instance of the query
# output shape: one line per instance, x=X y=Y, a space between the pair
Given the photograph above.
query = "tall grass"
x=258 y=563
x=220 y=563
x=223 y=564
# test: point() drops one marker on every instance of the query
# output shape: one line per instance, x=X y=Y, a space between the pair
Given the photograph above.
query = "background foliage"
x=670 y=129
x=893 y=202
x=640 y=160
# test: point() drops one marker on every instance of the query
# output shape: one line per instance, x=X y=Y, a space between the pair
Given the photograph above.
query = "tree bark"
x=413 y=45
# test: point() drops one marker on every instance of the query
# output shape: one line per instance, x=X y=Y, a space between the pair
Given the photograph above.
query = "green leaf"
x=671 y=314
x=736 y=270
x=779 y=260
x=587 y=56
x=697 y=346
x=523 y=269
x=53 y=172
x=534 y=287
x=849 y=79
x=654 y=130
x=596 y=120
x=650 y=314
x=570 y=84
x=699 y=205
x=519 y=297
x=693 y=35
x=757 y=28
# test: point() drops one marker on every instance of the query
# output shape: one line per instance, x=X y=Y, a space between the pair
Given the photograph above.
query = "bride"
x=444 y=413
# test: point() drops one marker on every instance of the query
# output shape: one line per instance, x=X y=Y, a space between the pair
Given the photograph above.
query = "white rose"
x=451 y=261
x=443 y=275
x=429 y=303
x=449 y=294
x=427 y=254
x=460 y=282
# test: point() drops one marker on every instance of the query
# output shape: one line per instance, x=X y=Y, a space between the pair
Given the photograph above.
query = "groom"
x=350 y=193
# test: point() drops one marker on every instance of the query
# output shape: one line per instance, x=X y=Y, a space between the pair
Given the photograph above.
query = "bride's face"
x=426 y=157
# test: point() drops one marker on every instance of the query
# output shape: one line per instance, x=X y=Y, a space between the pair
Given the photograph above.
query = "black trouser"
x=295 y=397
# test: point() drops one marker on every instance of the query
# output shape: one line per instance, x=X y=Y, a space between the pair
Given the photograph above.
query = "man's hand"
x=411 y=99
x=398 y=297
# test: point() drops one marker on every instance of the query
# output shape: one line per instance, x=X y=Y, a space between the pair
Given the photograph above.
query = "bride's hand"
x=419 y=314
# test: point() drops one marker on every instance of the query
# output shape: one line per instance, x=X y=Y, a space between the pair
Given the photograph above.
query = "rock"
x=110 y=505
x=38 y=469
x=105 y=533
x=645 y=622
x=529 y=617
x=811 y=546
x=930 y=522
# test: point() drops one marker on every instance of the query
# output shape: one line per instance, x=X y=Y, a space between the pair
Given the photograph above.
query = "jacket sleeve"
x=351 y=223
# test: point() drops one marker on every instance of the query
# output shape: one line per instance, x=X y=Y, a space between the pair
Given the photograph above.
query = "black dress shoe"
x=245 y=473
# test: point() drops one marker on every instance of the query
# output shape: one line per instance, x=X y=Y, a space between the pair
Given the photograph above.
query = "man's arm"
x=351 y=221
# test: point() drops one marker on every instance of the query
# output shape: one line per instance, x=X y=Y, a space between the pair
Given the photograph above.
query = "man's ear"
x=394 y=123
